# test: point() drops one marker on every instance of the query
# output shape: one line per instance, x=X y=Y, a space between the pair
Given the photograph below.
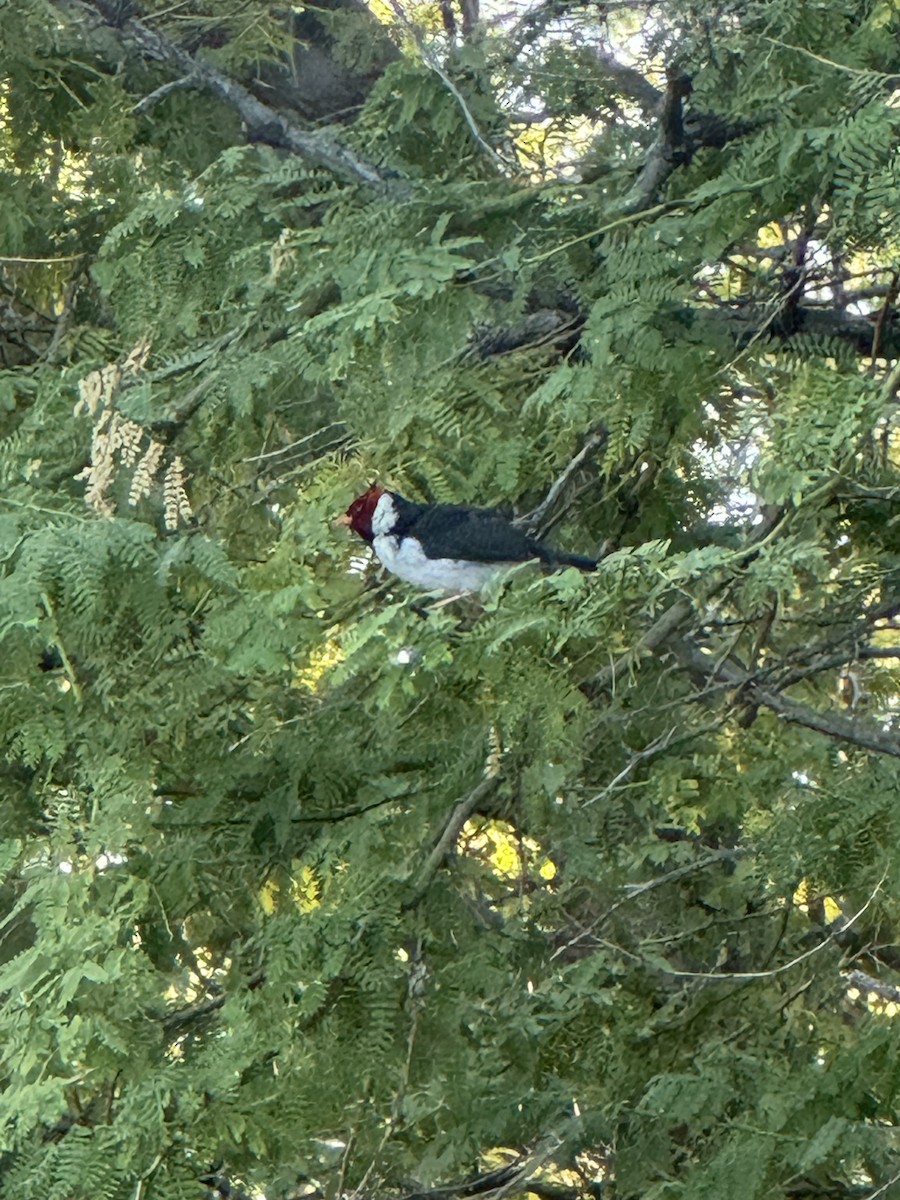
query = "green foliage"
x=306 y=890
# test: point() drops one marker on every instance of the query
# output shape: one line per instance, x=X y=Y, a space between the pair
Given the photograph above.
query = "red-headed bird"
x=446 y=547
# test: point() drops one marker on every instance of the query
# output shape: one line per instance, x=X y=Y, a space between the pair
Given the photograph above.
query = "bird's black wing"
x=473 y=534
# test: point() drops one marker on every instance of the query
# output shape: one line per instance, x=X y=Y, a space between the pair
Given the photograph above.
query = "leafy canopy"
x=590 y=886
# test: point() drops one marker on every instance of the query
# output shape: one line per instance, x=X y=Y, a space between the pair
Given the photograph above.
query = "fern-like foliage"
x=313 y=887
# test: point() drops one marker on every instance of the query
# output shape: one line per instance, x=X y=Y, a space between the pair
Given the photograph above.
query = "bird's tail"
x=581 y=561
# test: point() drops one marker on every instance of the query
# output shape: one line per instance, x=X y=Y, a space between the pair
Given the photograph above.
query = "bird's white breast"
x=406 y=558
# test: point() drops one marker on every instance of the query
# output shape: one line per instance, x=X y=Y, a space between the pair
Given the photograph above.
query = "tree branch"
x=180 y=1017
x=460 y=813
x=739 y=323
x=629 y=81
x=432 y=63
x=535 y=519
x=857 y=732
x=868 y=983
x=656 y=635
x=143 y=106
x=263 y=123
x=669 y=150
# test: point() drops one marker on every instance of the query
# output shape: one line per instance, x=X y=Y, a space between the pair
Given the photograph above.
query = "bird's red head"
x=359 y=515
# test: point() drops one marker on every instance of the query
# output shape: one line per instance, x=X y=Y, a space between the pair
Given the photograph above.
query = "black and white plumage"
x=446 y=547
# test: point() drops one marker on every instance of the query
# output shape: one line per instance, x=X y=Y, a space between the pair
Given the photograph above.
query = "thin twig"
x=432 y=63
x=60 y=258
x=345 y=1163
x=662 y=629
x=293 y=445
x=58 y=643
x=639 y=889
x=392 y=1124
x=635 y=757
x=890 y=80
x=535 y=519
x=740 y=976
x=143 y=106
x=688 y=203
x=884 y=1187
x=142 y=1179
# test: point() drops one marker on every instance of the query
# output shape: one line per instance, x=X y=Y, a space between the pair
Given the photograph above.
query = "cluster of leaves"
x=304 y=894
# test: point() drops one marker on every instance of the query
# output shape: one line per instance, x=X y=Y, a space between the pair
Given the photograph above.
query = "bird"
x=451 y=548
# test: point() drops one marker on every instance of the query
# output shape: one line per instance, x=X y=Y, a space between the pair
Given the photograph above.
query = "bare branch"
x=742 y=324
x=742 y=976
x=632 y=891
x=879 y=1191
x=656 y=635
x=194 y=1012
x=143 y=106
x=868 y=983
x=629 y=82
x=535 y=519
x=543 y=327
x=460 y=813
x=180 y=1017
x=432 y=63
x=669 y=150
x=470 y=14
x=634 y=758
x=856 y=731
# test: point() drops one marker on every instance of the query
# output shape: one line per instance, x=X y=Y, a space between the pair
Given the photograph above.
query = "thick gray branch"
x=669 y=150
x=854 y=730
x=868 y=983
x=629 y=82
x=263 y=122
